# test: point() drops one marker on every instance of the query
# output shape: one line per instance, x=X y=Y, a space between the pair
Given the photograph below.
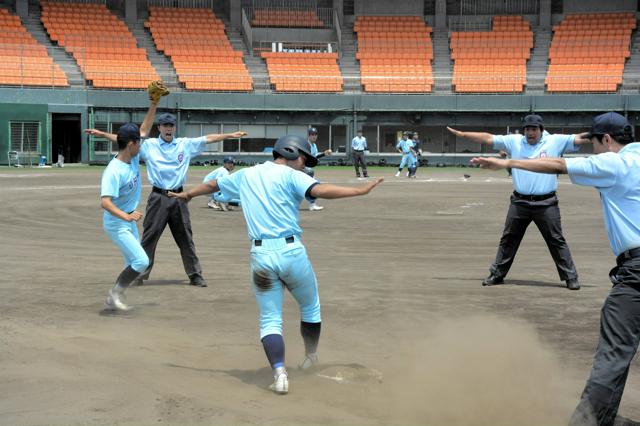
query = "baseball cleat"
x=397 y=174
x=492 y=280
x=224 y=207
x=197 y=281
x=114 y=301
x=213 y=205
x=309 y=361
x=573 y=284
x=280 y=383
x=314 y=207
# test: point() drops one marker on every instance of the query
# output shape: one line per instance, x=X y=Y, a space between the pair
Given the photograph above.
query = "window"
x=25 y=136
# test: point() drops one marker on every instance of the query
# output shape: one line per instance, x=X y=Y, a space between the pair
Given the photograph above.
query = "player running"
x=271 y=194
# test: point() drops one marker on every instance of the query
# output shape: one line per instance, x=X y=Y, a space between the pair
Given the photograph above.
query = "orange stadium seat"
x=588 y=52
x=304 y=72
x=199 y=49
x=394 y=61
x=22 y=60
x=105 y=59
x=494 y=61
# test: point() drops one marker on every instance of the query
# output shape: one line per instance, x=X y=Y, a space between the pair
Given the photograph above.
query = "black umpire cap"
x=167 y=118
x=533 y=120
x=129 y=132
x=612 y=124
x=312 y=131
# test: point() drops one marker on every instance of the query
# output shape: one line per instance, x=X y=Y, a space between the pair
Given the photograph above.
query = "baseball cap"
x=167 y=118
x=312 y=131
x=406 y=132
x=228 y=160
x=129 y=132
x=532 y=120
x=612 y=124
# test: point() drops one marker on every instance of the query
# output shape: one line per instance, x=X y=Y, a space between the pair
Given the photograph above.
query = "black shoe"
x=492 y=280
x=197 y=281
x=573 y=284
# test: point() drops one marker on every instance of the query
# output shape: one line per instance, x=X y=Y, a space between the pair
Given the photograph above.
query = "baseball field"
x=409 y=335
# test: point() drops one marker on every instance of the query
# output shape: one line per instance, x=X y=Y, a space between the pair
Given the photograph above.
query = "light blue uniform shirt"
x=405 y=146
x=617 y=177
x=215 y=174
x=531 y=183
x=314 y=149
x=270 y=194
x=359 y=143
x=167 y=163
x=121 y=182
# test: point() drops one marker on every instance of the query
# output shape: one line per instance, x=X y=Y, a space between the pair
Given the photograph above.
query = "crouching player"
x=271 y=194
x=120 y=195
x=218 y=200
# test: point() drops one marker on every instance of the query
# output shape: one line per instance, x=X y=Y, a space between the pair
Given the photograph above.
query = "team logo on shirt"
x=543 y=154
x=181 y=157
x=133 y=183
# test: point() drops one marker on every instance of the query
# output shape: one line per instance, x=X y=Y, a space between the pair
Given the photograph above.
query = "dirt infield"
x=409 y=334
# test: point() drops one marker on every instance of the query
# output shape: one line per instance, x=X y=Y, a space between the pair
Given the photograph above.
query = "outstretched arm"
x=202 y=189
x=98 y=133
x=330 y=192
x=480 y=137
x=538 y=165
x=213 y=137
x=581 y=138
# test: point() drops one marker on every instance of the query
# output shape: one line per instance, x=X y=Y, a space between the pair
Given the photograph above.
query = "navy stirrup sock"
x=274 y=348
x=310 y=332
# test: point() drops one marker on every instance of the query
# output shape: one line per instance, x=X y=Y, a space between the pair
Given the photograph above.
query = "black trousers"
x=163 y=210
x=546 y=215
x=618 y=343
x=358 y=160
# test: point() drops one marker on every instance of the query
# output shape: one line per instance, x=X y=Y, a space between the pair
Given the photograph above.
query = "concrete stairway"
x=442 y=63
x=159 y=61
x=255 y=64
x=57 y=53
x=538 y=64
x=349 y=65
x=631 y=75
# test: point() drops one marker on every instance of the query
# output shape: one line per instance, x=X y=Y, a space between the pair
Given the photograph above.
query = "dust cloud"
x=479 y=371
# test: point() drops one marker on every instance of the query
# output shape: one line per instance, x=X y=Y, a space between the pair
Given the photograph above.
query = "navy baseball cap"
x=228 y=160
x=167 y=118
x=532 y=120
x=612 y=124
x=129 y=132
x=312 y=131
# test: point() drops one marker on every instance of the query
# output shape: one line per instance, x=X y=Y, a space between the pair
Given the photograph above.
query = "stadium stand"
x=588 y=52
x=304 y=72
x=492 y=61
x=285 y=17
x=199 y=49
x=110 y=60
x=22 y=60
x=393 y=61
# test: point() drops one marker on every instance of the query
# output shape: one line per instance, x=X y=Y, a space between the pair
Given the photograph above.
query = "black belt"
x=165 y=191
x=358 y=150
x=534 y=197
x=288 y=240
x=628 y=254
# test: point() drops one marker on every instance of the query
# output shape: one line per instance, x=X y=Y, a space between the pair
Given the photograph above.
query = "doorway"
x=66 y=137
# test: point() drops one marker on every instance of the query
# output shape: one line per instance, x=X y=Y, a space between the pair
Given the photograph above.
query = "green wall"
x=24 y=112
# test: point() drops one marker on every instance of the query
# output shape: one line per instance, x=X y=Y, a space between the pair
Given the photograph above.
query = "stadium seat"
x=199 y=49
x=588 y=52
x=494 y=61
x=107 y=60
x=303 y=72
x=23 y=61
x=394 y=61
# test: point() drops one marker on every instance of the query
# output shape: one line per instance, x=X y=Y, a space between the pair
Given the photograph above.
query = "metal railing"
x=499 y=7
x=247 y=31
x=83 y=1
x=29 y=65
x=337 y=25
x=294 y=47
x=286 y=17
x=465 y=23
x=192 y=4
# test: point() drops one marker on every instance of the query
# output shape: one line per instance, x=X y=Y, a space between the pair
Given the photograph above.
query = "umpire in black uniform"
x=534 y=198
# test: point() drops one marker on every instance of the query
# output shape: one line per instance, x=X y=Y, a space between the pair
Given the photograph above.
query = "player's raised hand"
x=135 y=216
x=328 y=152
x=93 y=132
x=237 y=135
x=491 y=163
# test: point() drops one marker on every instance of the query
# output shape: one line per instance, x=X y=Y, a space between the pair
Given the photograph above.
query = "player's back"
x=270 y=194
